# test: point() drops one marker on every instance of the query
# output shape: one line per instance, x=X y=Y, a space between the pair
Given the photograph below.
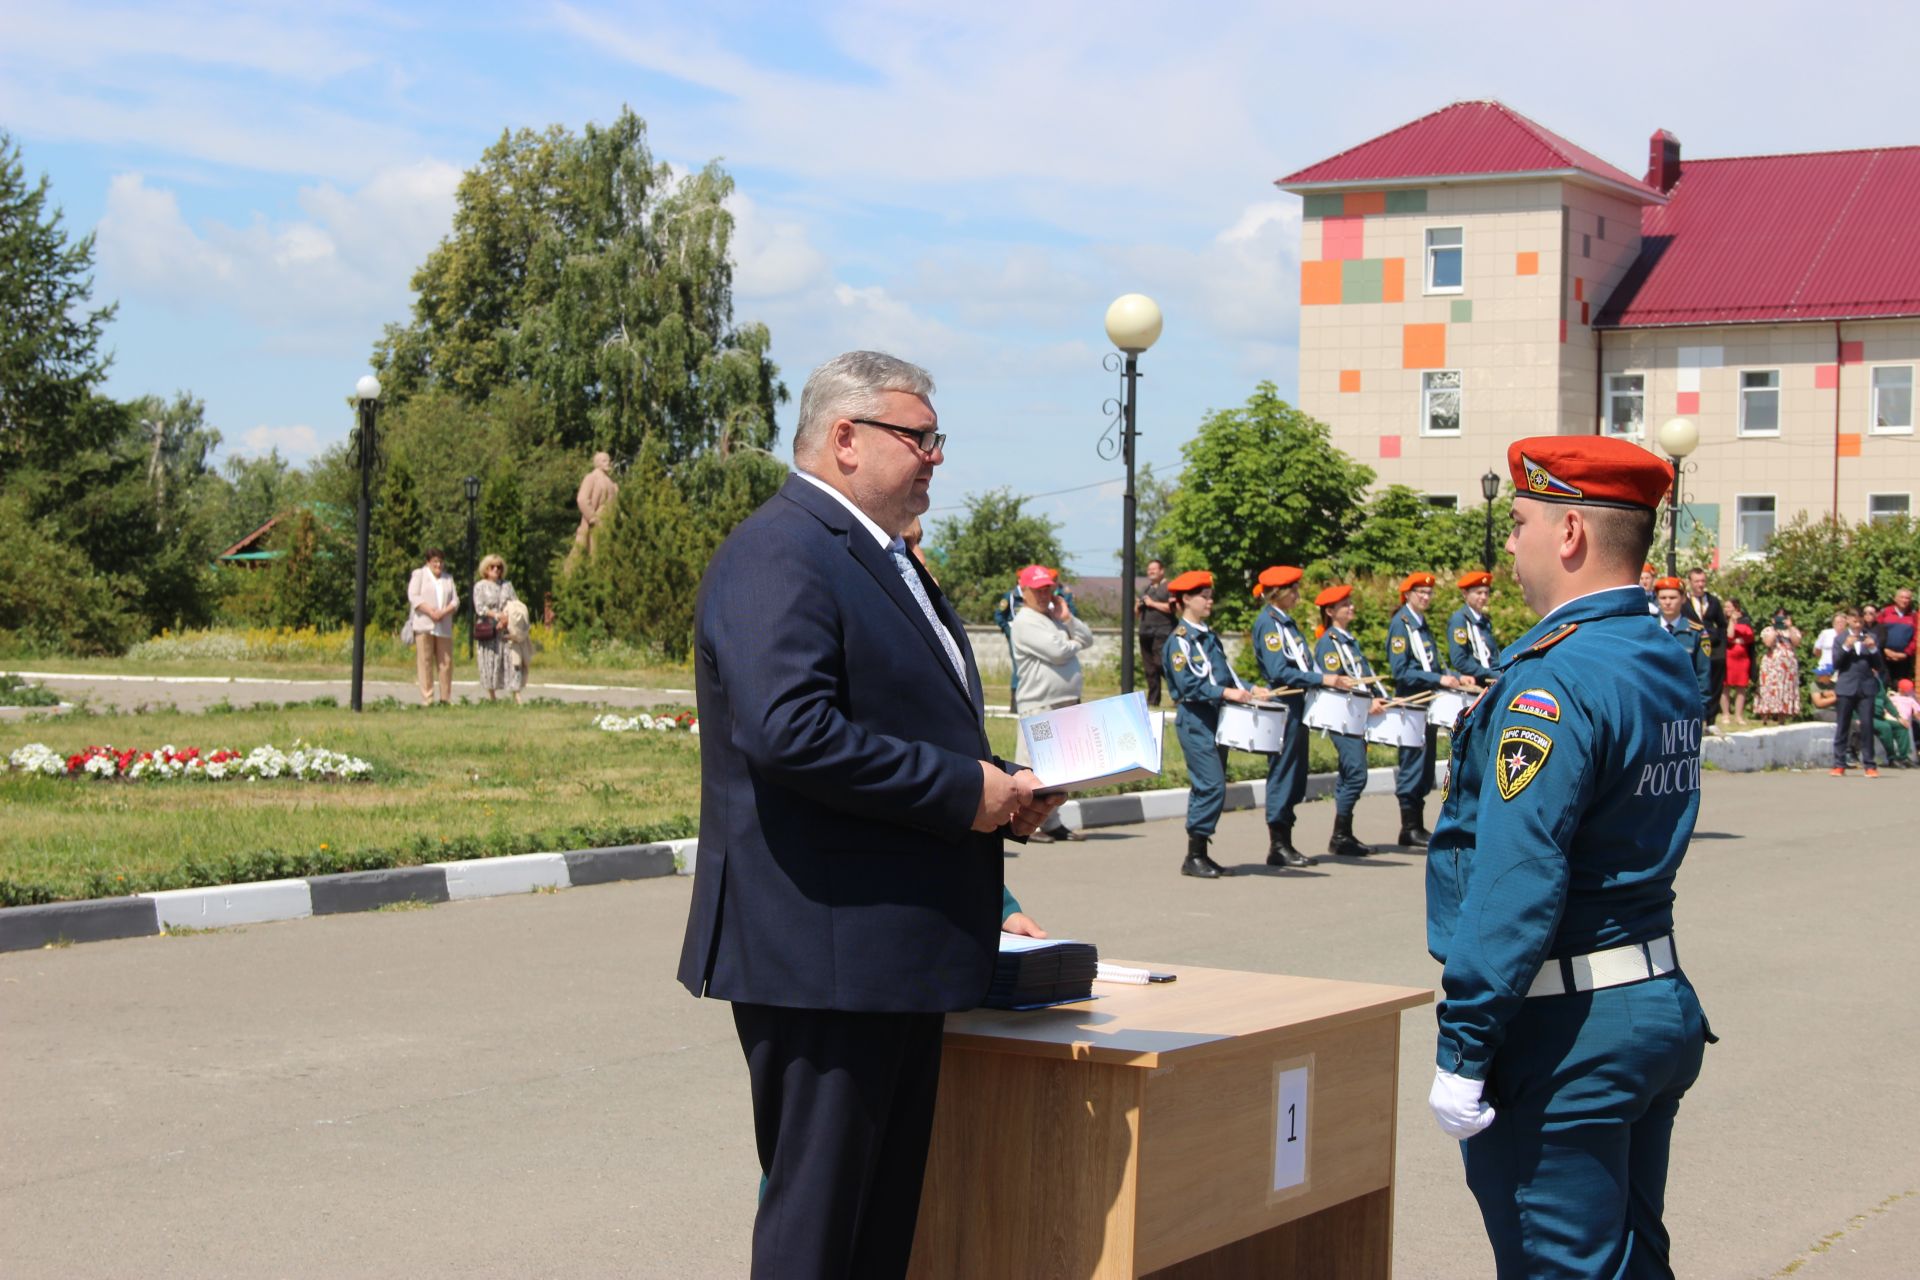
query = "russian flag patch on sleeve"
x=1536 y=702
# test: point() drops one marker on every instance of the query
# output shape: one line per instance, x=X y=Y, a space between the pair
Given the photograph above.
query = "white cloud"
x=333 y=276
x=772 y=256
x=296 y=443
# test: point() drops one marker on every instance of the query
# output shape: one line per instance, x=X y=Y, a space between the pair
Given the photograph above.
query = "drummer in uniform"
x=1417 y=669
x=1471 y=647
x=1567 y=1033
x=1670 y=597
x=1287 y=665
x=1339 y=655
x=1199 y=679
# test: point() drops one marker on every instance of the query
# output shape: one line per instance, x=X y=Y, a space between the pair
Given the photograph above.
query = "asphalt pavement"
x=516 y=1087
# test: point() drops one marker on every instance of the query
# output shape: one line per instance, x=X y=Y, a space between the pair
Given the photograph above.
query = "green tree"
x=50 y=358
x=257 y=489
x=51 y=599
x=1400 y=531
x=1153 y=502
x=981 y=550
x=1814 y=566
x=1262 y=483
x=311 y=584
x=398 y=543
x=582 y=270
x=503 y=522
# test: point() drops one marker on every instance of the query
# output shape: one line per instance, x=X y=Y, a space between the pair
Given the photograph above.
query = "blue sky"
x=967 y=186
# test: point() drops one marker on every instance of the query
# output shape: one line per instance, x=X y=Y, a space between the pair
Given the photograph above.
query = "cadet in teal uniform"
x=1567 y=1033
x=1339 y=655
x=1286 y=664
x=1670 y=602
x=1417 y=668
x=1199 y=679
x=1471 y=648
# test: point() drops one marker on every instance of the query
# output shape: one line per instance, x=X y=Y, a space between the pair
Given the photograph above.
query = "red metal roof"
x=1464 y=140
x=1826 y=235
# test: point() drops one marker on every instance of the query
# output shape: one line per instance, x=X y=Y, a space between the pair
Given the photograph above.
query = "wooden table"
x=1224 y=1125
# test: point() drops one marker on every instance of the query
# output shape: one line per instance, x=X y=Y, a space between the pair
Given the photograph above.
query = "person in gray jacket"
x=1047 y=642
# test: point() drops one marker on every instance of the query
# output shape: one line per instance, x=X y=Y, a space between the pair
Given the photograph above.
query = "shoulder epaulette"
x=1553 y=638
x=1180 y=630
x=1696 y=626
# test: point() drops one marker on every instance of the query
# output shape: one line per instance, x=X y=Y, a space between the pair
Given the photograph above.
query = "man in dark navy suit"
x=848 y=886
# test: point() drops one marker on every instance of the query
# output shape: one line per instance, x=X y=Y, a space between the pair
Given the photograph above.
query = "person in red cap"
x=1339 y=654
x=1567 y=1033
x=1047 y=643
x=1417 y=669
x=1471 y=647
x=1286 y=663
x=1199 y=679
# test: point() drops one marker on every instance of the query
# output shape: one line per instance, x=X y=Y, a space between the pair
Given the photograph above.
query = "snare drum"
x=1446 y=708
x=1398 y=727
x=1251 y=728
x=1336 y=712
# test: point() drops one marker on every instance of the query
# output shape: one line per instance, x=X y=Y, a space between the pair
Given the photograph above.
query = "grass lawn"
x=467 y=781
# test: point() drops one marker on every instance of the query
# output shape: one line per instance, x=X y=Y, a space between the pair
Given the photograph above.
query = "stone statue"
x=597 y=492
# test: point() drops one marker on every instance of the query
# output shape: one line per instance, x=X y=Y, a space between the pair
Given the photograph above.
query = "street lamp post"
x=1679 y=437
x=1133 y=325
x=366 y=395
x=1489 y=489
x=473 y=537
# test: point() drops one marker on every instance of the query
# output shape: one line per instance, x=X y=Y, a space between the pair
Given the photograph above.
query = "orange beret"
x=1332 y=596
x=1647 y=568
x=1413 y=580
x=1599 y=471
x=1667 y=584
x=1478 y=578
x=1191 y=580
x=1278 y=575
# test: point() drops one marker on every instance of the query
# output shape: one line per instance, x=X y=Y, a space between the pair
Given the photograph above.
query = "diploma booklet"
x=1032 y=973
x=1093 y=744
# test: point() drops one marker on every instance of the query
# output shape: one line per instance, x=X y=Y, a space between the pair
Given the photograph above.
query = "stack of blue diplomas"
x=1033 y=972
x=1094 y=744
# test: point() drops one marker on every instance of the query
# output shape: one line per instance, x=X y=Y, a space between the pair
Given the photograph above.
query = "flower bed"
x=611 y=723
x=105 y=762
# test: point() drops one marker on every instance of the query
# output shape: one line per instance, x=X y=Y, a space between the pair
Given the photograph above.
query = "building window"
x=1754 y=523
x=1889 y=506
x=1760 y=402
x=1442 y=501
x=1446 y=249
x=1626 y=404
x=1893 y=398
x=1603 y=228
x=1440 y=402
x=1586 y=245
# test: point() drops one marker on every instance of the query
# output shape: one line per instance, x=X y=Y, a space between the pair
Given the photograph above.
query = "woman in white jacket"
x=434 y=600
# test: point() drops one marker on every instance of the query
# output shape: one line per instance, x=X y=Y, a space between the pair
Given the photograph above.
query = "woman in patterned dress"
x=1779 y=670
x=490 y=597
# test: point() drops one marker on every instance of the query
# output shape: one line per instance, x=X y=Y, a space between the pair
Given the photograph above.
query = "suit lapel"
x=872 y=557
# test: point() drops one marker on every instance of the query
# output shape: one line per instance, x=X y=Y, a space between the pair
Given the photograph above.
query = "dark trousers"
x=1414 y=778
x=1287 y=771
x=1152 y=645
x=1719 y=671
x=1845 y=707
x=1571 y=1175
x=842 y=1115
x=1352 y=780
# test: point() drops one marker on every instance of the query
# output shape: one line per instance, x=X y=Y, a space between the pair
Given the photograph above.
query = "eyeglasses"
x=928 y=441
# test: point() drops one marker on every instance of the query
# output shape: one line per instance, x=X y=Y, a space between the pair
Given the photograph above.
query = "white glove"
x=1457 y=1106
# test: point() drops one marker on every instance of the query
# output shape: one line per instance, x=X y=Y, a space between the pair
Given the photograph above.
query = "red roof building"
x=1472 y=277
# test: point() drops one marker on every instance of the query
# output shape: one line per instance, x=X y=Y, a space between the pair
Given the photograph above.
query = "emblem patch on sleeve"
x=1333 y=662
x=1399 y=644
x=1522 y=752
x=1273 y=641
x=1536 y=702
x=1179 y=660
x=1459 y=635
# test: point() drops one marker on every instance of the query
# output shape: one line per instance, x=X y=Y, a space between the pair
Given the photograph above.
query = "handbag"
x=485 y=629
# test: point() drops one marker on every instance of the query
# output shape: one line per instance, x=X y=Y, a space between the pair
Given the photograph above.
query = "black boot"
x=1198 y=863
x=1413 y=825
x=1280 y=850
x=1343 y=845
